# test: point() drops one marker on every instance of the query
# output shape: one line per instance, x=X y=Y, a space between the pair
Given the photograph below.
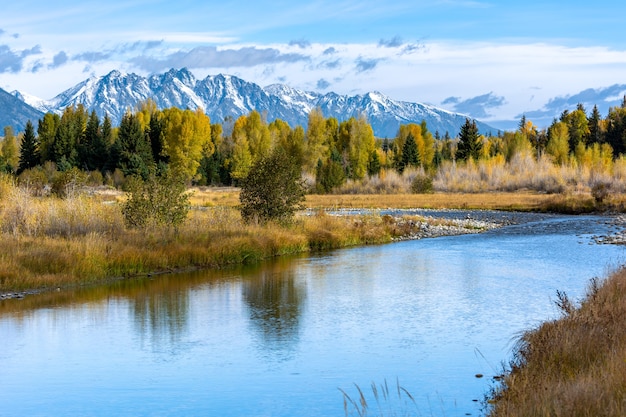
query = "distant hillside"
x=14 y=112
x=224 y=96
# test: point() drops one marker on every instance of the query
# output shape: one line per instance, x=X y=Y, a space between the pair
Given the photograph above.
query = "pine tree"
x=29 y=151
x=135 y=154
x=410 y=153
x=595 y=130
x=86 y=149
x=373 y=168
x=470 y=144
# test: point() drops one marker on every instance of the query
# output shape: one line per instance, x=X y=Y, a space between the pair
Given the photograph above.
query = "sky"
x=492 y=60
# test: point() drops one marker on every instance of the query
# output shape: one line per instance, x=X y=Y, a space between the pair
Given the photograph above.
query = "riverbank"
x=574 y=366
x=55 y=244
x=49 y=243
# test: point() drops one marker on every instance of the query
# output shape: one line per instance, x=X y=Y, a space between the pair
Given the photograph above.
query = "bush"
x=272 y=190
x=422 y=184
x=600 y=191
x=68 y=183
x=158 y=201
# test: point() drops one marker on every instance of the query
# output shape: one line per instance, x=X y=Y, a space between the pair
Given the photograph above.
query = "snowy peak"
x=226 y=96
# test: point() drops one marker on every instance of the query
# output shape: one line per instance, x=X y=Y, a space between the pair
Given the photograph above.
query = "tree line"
x=149 y=140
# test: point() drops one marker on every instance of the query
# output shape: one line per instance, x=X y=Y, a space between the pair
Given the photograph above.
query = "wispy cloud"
x=330 y=65
x=92 y=56
x=322 y=84
x=59 y=59
x=13 y=61
x=301 y=43
x=604 y=98
x=363 y=64
x=394 y=42
x=476 y=106
x=212 y=57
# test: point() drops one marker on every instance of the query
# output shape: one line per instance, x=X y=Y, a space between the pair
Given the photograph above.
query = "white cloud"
x=521 y=77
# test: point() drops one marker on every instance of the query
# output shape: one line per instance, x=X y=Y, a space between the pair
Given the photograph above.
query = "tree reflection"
x=275 y=305
x=161 y=310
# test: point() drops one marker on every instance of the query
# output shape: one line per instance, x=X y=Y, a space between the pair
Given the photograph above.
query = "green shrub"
x=68 y=183
x=422 y=184
x=157 y=201
x=272 y=190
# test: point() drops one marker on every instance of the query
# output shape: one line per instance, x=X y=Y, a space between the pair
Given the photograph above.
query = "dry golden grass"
x=482 y=201
x=575 y=366
x=47 y=242
x=524 y=201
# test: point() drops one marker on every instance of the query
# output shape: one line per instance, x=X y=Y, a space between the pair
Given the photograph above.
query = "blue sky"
x=493 y=60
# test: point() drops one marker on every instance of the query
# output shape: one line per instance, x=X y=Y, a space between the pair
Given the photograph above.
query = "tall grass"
x=48 y=242
x=574 y=366
x=524 y=172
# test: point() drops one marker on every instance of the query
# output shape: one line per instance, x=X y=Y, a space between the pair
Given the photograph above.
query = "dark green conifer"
x=29 y=151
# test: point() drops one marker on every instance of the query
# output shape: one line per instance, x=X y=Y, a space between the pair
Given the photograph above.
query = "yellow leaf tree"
x=187 y=138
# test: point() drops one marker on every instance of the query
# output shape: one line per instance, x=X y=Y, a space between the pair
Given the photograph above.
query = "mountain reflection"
x=275 y=306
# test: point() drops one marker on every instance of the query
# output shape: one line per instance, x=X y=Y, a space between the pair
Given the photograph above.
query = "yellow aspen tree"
x=558 y=144
x=241 y=157
x=361 y=147
x=258 y=135
x=187 y=134
x=316 y=140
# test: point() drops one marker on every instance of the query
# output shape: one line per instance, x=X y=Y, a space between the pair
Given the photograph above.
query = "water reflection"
x=274 y=302
x=161 y=310
x=280 y=338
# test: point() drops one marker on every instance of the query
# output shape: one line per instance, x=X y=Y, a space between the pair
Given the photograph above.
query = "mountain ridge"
x=222 y=96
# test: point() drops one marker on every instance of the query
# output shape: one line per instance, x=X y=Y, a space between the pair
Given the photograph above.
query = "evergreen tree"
x=155 y=134
x=470 y=144
x=46 y=131
x=616 y=128
x=595 y=128
x=69 y=137
x=410 y=154
x=330 y=174
x=373 y=168
x=29 y=152
x=87 y=152
x=135 y=154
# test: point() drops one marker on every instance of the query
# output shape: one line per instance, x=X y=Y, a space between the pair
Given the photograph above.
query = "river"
x=286 y=338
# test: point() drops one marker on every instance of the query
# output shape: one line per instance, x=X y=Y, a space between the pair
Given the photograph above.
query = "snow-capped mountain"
x=222 y=96
x=15 y=112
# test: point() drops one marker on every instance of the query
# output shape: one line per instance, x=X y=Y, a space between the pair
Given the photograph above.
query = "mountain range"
x=222 y=96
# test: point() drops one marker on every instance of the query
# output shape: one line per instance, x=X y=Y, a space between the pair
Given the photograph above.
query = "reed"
x=382 y=401
x=573 y=366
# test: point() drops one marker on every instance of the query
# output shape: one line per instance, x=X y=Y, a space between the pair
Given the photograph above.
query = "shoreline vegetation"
x=572 y=366
x=50 y=243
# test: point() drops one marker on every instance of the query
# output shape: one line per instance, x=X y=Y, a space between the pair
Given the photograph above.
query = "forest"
x=578 y=150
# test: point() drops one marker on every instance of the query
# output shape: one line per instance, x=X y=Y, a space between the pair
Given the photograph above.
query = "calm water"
x=282 y=339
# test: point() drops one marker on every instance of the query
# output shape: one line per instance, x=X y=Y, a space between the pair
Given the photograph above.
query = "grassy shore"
x=574 y=366
x=48 y=243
